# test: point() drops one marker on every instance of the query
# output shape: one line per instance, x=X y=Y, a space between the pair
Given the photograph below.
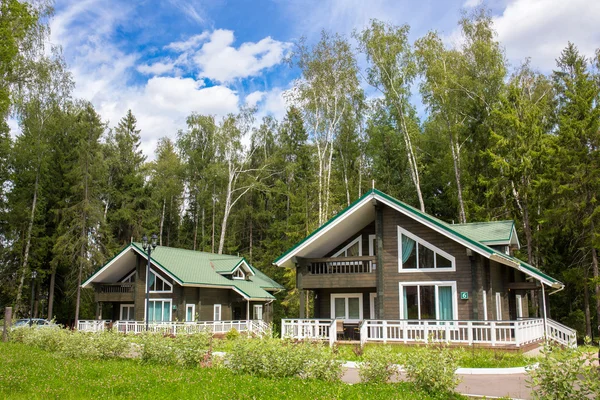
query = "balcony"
x=322 y=273
x=117 y=292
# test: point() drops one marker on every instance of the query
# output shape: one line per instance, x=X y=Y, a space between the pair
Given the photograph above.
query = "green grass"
x=469 y=357
x=29 y=373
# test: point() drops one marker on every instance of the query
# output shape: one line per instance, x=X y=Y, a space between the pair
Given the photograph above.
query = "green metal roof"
x=190 y=267
x=486 y=232
x=448 y=229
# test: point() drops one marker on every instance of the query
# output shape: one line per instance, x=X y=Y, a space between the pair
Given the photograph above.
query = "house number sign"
x=464 y=295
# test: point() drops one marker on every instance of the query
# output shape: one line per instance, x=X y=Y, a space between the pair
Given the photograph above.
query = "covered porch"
x=514 y=334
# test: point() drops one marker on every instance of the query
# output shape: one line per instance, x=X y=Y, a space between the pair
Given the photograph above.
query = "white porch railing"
x=177 y=328
x=92 y=325
x=561 y=334
x=494 y=333
x=491 y=333
x=312 y=329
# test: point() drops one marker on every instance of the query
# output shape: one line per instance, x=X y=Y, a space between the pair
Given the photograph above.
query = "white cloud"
x=472 y=3
x=219 y=61
x=540 y=29
x=158 y=68
x=190 y=43
x=194 y=13
x=254 y=98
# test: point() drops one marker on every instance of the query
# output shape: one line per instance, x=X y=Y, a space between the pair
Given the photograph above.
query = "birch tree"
x=391 y=71
x=329 y=83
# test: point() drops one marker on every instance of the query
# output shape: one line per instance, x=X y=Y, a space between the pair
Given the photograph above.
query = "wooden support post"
x=474 y=287
x=379 y=279
x=7 y=323
x=302 y=303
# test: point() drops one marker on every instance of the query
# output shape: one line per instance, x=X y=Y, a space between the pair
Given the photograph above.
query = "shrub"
x=564 y=374
x=156 y=349
x=233 y=334
x=432 y=368
x=192 y=350
x=267 y=357
x=111 y=344
x=378 y=365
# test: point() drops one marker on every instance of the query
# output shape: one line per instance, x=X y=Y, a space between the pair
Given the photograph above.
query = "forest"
x=454 y=130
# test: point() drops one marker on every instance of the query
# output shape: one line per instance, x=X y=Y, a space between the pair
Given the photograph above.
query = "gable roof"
x=197 y=268
x=462 y=235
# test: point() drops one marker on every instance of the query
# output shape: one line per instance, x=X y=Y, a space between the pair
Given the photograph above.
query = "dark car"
x=34 y=322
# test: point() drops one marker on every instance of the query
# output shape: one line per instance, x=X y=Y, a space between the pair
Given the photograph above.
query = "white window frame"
x=372 y=244
x=436 y=284
x=498 y=306
x=193 y=307
x=163 y=279
x=352 y=243
x=257 y=312
x=372 y=297
x=418 y=240
x=129 y=306
x=127 y=279
x=485 y=312
x=215 y=312
x=238 y=270
x=519 y=301
x=170 y=301
x=347 y=296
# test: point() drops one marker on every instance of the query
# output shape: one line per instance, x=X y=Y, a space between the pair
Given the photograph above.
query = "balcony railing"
x=256 y=327
x=116 y=288
x=342 y=265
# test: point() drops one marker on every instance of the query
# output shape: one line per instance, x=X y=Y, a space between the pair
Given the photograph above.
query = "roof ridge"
x=191 y=250
x=483 y=222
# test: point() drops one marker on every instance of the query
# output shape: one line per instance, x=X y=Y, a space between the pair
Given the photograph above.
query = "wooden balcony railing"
x=342 y=265
x=116 y=288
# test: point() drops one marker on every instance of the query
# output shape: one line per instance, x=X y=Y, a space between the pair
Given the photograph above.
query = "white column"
x=544 y=310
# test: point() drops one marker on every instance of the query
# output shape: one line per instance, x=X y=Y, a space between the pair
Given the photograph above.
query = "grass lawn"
x=30 y=373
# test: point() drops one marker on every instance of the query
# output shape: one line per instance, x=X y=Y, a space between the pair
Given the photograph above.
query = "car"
x=34 y=322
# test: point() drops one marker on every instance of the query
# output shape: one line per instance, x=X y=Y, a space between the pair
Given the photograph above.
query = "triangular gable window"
x=239 y=274
x=158 y=285
x=352 y=249
x=418 y=254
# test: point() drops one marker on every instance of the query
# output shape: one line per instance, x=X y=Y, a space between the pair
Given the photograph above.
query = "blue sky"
x=167 y=58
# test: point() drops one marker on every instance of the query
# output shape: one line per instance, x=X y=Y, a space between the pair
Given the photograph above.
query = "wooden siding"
x=331 y=281
x=462 y=276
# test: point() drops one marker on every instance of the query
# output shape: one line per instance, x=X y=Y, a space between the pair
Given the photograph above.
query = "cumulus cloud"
x=472 y=3
x=158 y=68
x=254 y=98
x=540 y=29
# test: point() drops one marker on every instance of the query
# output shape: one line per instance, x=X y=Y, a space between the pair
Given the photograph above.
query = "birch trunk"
x=586 y=304
x=162 y=222
x=225 y=215
x=462 y=216
x=25 y=268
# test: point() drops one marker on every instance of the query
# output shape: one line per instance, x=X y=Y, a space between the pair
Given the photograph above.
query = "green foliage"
x=432 y=369
x=233 y=334
x=280 y=358
x=565 y=374
x=378 y=365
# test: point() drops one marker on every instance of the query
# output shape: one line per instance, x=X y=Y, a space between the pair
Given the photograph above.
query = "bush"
x=378 y=365
x=233 y=334
x=564 y=374
x=267 y=357
x=432 y=369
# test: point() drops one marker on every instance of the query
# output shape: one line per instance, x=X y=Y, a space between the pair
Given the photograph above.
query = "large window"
x=217 y=312
x=127 y=312
x=347 y=306
x=428 y=300
x=415 y=253
x=190 y=312
x=160 y=310
x=352 y=249
x=258 y=311
x=158 y=285
x=129 y=278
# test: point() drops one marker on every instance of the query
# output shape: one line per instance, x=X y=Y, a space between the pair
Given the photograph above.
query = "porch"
x=256 y=327
x=484 y=333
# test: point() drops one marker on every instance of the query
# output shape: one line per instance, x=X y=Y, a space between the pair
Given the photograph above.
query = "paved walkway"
x=495 y=385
